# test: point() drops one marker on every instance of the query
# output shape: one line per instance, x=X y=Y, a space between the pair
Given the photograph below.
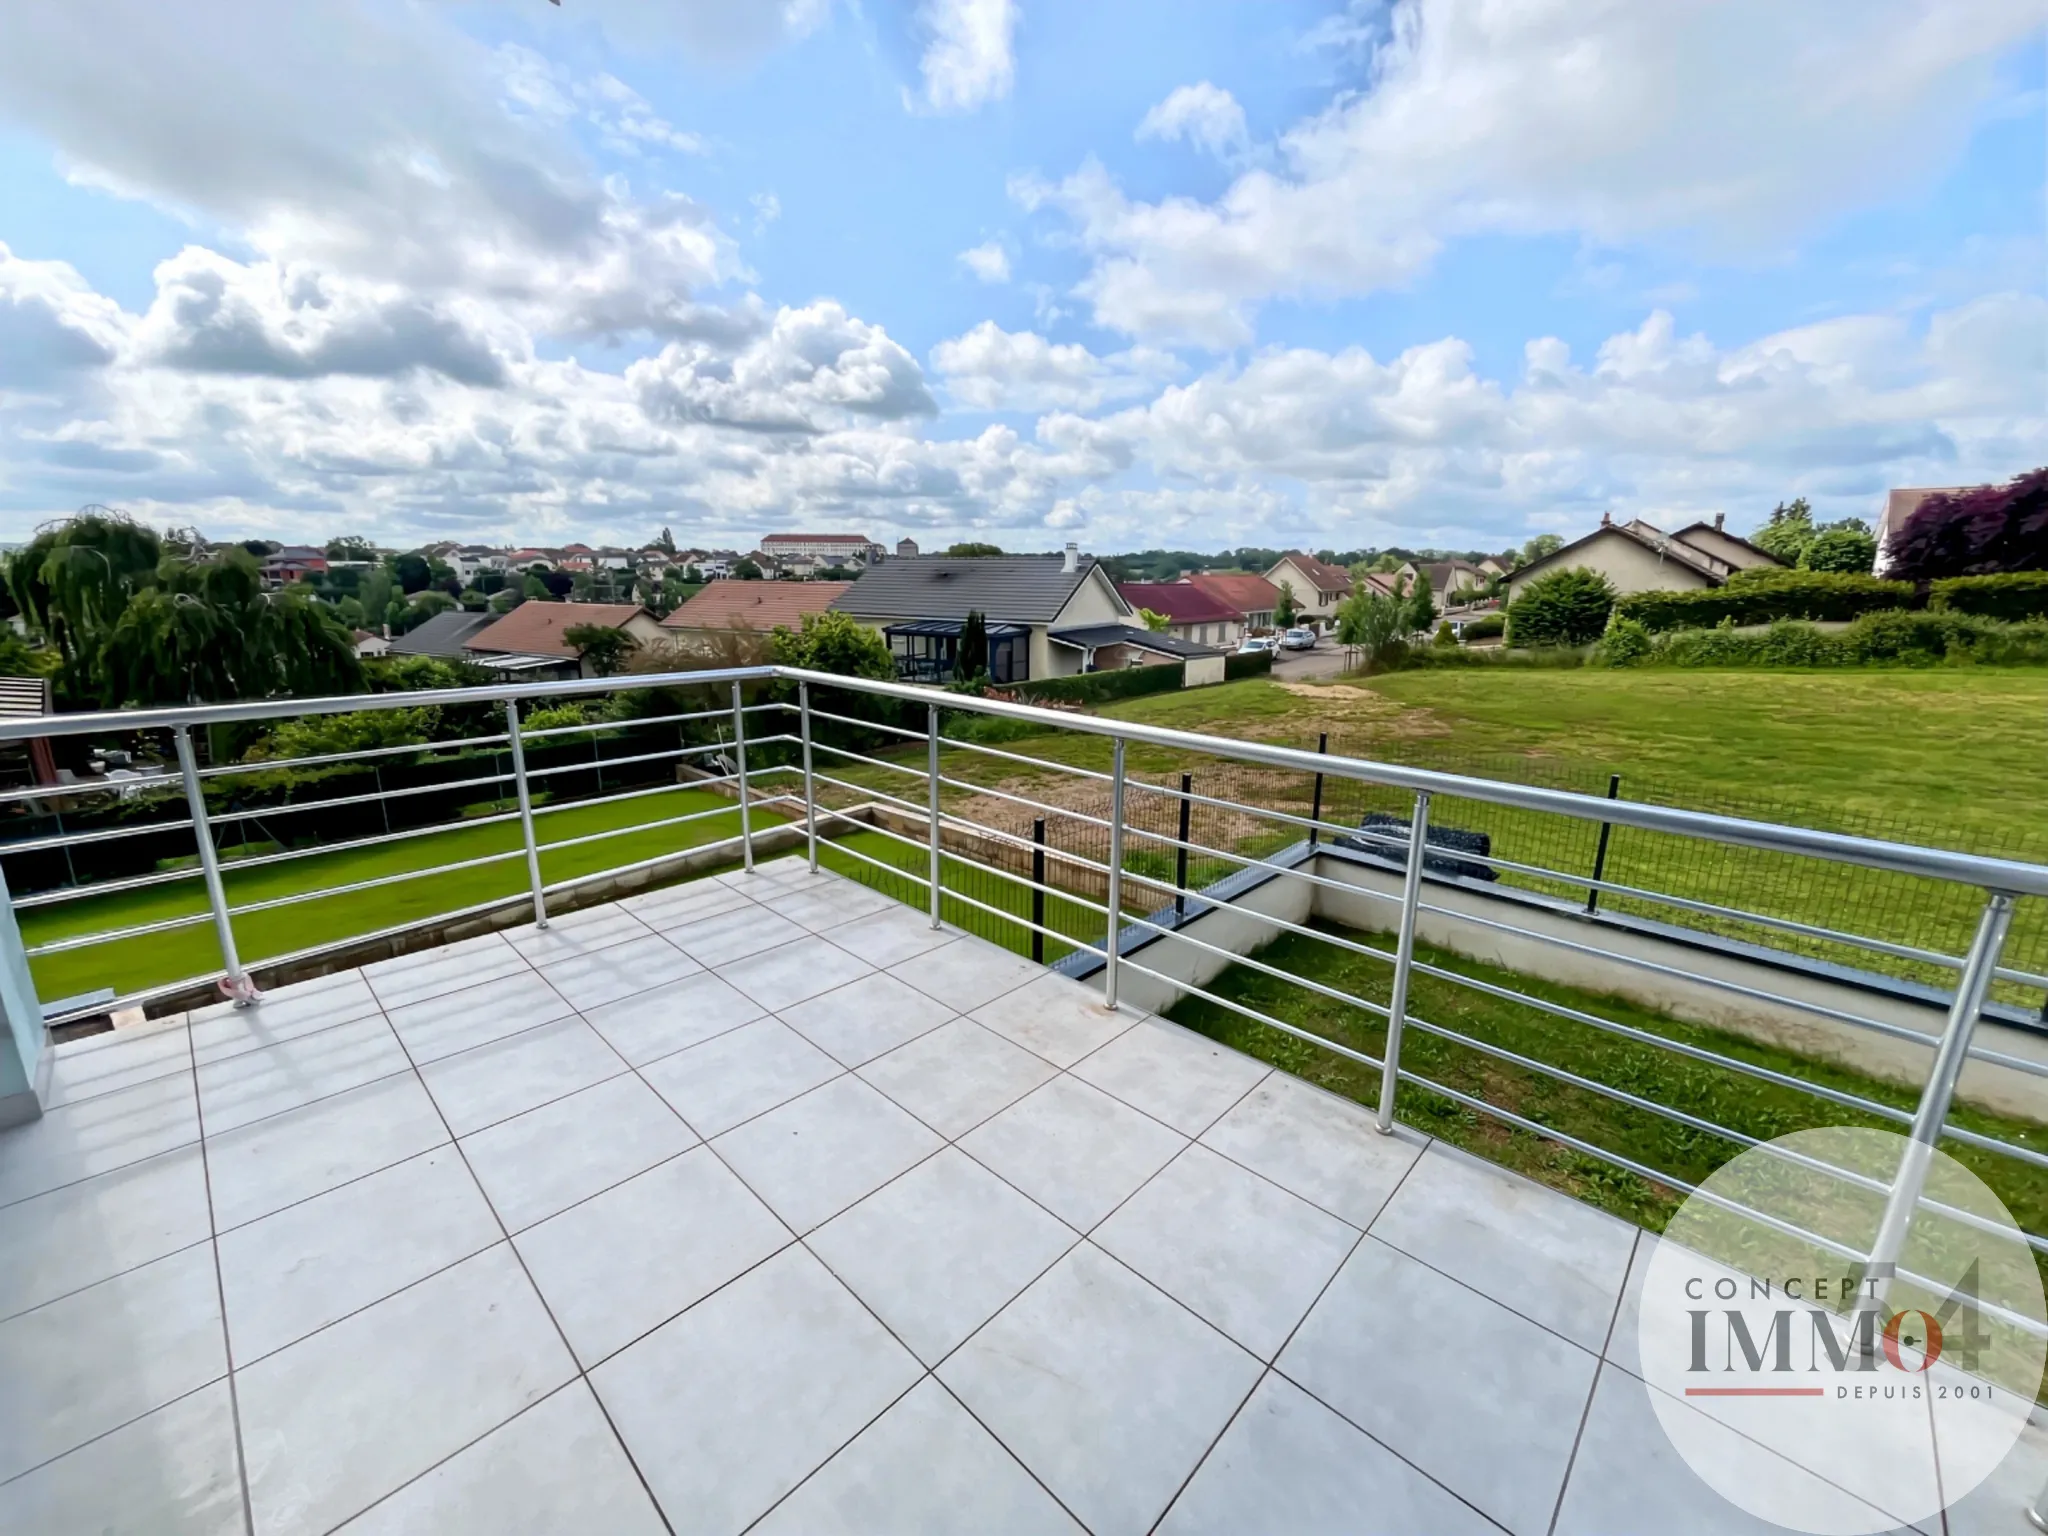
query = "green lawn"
x=152 y=959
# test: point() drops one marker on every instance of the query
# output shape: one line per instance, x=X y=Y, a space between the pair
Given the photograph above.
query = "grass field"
x=152 y=959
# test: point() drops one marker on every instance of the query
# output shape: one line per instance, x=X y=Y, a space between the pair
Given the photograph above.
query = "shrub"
x=1101 y=687
x=1491 y=627
x=1766 y=598
x=1255 y=664
x=1626 y=643
x=1568 y=607
x=1847 y=551
x=1977 y=532
x=1895 y=637
x=1445 y=635
x=2013 y=595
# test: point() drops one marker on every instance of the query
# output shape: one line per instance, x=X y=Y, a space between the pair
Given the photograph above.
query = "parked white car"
x=1298 y=638
x=1252 y=645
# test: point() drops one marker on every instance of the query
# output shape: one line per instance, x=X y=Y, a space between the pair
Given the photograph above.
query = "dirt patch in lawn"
x=1361 y=714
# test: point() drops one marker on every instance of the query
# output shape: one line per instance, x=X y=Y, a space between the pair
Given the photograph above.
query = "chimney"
x=1606 y=519
x=1072 y=562
x=1719 y=519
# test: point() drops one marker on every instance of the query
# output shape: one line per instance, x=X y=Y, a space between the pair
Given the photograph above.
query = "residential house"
x=1494 y=566
x=293 y=562
x=527 y=559
x=1252 y=597
x=906 y=549
x=1191 y=614
x=535 y=629
x=921 y=607
x=369 y=643
x=756 y=606
x=1640 y=557
x=445 y=636
x=1112 y=647
x=470 y=561
x=839 y=549
x=1450 y=582
x=1318 y=588
x=1898 y=506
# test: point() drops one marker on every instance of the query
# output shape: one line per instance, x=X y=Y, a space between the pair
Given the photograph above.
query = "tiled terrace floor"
x=756 y=1204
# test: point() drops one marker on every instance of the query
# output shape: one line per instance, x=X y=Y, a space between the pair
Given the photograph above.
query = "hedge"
x=1567 y=607
x=1489 y=627
x=1102 y=687
x=1820 y=595
x=2013 y=596
x=1251 y=664
x=1893 y=637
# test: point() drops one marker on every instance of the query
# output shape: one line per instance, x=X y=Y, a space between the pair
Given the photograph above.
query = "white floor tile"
x=312 y=1263
x=241 y=1089
x=570 y=934
x=342 y=1418
x=721 y=937
x=456 y=1021
x=547 y=1159
x=1319 y=1146
x=97 y=1135
x=303 y=1008
x=638 y=965
x=672 y=906
x=941 y=1250
x=1490 y=1403
x=170 y=1473
x=85 y=1069
x=1053 y=1017
x=966 y=973
x=1289 y=1464
x=268 y=1165
x=730 y=1406
x=828 y=906
x=819 y=1153
x=79 y=1367
x=626 y=1261
x=90 y=1231
x=1235 y=1248
x=1547 y=1256
x=1107 y=1390
x=443 y=968
x=557 y=1467
x=672 y=1018
x=957 y=1076
x=1073 y=1149
x=497 y=1081
x=777 y=978
x=1172 y=1074
x=861 y=1020
x=889 y=935
x=924 y=1468
x=740 y=1074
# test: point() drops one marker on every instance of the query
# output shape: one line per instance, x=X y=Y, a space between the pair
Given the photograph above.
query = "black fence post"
x=1180 y=852
x=1315 y=811
x=1038 y=890
x=1600 y=853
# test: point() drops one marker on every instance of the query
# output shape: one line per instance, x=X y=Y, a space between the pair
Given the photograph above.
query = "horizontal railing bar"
x=638 y=826
x=269 y=765
x=645 y=792
x=1335 y=994
x=86 y=839
x=64 y=893
x=873 y=794
x=1036 y=762
x=875 y=762
x=89 y=787
x=866 y=725
x=599 y=764
x=114 y=935
x=299 y=898
x=377 y=797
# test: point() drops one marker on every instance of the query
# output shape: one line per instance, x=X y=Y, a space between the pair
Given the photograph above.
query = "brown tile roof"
x=1178 y=601
x=535 y=628
x=757 y=605
x=1245 y=594
x=1328 y=578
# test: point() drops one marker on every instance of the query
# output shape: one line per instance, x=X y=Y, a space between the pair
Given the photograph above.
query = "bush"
x=1445 y=635
x=1568 y=607
x=1549 y=658
x=1977 y=532
x=2013 y=596
x=1764 y=598
x=1895 y=637
x=1846 y=551
x=1255 y=664
x=1626 y=643
x=1491 y=627
x=1101 y=687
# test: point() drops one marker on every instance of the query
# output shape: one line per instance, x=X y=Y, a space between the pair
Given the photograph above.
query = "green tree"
x=971 y=551
x=505 y=601
x=1850 y=551
x=1540 y=547
x=973 y=658
x=1386 y=565
x=1446 y=637
x=423 y=607
x=375 y=588
x=351 y=546
x=1788 y=532
x=1158 y=623
x=833 y=642
x=73 y=581
x=1284 y=612
x=350 y=611
x=600 y=647
x=1421 y=607
x=1376 y=623
x=746 y=570
x=533 y=586
x=1568 y=607
x=666 y=543
x=413 y=572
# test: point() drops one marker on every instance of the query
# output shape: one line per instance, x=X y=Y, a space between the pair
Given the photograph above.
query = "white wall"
x=1200 y=670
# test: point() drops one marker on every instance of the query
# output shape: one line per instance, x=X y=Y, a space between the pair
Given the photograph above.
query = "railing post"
x=739 y=752
x=1404 y=959
x=1116 y=875
x=525 y=798
x=239 y=987
x=1972 y=986
x=1038 y=890
x=1315 y=809
x=1600 y=853
x=931 y=762
x=1180 y=854
x=803 y=710
x=2037 y=1512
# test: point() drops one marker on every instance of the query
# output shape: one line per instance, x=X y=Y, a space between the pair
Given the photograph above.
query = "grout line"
x=1599 y=1366
x=127 y=1423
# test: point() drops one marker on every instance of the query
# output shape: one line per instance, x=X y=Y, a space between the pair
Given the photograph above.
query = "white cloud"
x=991 y=369
x=968 y=61
x=1205 y=115
x=988 y=261
x=1558 y=115
x=52 y=324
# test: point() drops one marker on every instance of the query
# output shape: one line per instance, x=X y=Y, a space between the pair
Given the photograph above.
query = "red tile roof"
x=535 y=628
x=1180 y=602
x=757 y=605
x=1244 y=594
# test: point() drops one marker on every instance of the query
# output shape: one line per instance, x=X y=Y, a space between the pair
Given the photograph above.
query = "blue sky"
x=1386 y=271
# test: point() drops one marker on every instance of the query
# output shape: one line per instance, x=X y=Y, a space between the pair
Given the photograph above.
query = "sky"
x=1341 y=274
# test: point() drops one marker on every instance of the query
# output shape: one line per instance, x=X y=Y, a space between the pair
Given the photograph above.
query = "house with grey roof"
x=1027 y=601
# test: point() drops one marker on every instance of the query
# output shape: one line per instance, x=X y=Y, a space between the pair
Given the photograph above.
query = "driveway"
x=1326 y=660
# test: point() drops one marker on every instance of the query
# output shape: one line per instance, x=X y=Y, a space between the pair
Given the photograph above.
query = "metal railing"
x=841 y=773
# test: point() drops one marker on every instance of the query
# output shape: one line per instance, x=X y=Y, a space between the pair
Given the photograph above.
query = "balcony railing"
x=848 y=766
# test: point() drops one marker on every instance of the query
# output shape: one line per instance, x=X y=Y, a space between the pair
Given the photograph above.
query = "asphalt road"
x=1326 y=660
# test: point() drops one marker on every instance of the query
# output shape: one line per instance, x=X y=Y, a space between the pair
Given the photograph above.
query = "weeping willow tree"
x=75 y=579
